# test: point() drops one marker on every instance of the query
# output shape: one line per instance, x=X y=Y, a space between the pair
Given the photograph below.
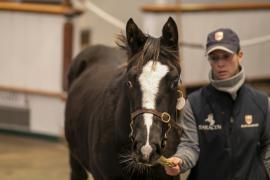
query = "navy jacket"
x=231 y=134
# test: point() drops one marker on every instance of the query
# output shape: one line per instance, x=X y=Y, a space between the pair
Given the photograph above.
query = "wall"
x=104 y=33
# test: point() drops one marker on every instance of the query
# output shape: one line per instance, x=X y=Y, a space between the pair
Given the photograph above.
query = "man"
x=227 y=123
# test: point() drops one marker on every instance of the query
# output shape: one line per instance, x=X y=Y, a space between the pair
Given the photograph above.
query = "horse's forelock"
x=153 y=49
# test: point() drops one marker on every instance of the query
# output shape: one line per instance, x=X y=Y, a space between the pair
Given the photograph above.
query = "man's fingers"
x=172 y=171
x=175 y=160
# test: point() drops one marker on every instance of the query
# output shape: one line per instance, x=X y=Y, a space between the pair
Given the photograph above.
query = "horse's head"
x=153 y=75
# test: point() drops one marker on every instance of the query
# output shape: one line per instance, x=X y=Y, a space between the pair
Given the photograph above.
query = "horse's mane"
x=152 y=50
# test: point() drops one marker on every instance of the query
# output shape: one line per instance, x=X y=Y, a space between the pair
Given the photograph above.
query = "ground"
x=24 y=158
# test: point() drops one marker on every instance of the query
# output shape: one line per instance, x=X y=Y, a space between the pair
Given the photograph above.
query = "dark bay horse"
x=121 y=119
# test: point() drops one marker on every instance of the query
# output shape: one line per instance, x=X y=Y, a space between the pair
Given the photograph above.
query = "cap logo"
x=219 y=36
x=248 y=119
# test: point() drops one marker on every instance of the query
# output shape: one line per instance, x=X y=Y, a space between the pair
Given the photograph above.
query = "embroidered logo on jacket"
x=249 y=122
x=248 y=119
x=211 y=124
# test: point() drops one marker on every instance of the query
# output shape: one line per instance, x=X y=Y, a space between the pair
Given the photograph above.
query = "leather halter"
x=163 y=116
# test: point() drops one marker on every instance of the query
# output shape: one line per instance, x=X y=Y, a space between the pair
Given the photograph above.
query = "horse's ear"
x=135 y=36
x=170 y=34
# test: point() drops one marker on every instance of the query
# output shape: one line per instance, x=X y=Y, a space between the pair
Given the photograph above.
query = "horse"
x=120 y=114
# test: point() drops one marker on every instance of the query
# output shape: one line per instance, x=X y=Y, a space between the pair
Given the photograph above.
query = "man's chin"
x=222 y=76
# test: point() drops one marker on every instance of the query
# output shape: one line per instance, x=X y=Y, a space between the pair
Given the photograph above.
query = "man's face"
x=224 y=64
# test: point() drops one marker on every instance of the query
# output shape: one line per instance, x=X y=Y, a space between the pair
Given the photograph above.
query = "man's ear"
x=170 y=34
x=135 y=37
x=240 y=56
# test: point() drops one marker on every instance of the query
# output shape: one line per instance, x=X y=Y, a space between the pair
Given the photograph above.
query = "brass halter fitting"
x=165 y=117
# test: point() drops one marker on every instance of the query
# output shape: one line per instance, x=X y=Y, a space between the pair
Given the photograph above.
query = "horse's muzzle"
x=147 y=154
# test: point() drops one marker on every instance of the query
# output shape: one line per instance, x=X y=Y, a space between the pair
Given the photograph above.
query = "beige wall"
x=101 y=31
x=104 y=33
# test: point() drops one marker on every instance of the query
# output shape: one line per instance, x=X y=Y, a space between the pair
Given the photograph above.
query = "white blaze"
x=149 y=80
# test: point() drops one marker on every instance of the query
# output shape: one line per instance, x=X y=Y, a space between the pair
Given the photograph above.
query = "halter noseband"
x=163 y=116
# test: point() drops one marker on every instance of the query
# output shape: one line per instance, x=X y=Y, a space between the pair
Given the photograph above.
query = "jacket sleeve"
x=265 y=142
x=188 y=149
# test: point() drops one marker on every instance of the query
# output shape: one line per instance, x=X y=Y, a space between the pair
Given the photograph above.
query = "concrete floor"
x=24 y=158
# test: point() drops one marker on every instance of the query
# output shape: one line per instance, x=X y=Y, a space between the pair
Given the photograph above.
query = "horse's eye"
x=129 y=84
x=174 y=84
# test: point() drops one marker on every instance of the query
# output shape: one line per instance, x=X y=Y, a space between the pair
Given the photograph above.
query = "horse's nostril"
x=136 y=147
x=158 y=148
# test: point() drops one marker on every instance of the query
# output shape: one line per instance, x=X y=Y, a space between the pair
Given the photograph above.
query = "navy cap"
x=223 y=39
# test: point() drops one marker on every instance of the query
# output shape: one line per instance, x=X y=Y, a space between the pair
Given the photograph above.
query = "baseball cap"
x=223 y=39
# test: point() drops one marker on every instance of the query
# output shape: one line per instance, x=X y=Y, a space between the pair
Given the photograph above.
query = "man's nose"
x=220 y=62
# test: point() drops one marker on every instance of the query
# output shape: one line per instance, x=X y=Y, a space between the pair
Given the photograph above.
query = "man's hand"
x=173 y=171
